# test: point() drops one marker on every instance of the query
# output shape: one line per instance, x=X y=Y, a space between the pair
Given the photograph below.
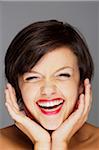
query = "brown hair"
x=37 y=39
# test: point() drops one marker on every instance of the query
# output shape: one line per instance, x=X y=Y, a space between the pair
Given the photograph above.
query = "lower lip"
x=51 y=112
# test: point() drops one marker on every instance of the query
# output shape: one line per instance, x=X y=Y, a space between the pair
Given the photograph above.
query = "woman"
x=49 y=71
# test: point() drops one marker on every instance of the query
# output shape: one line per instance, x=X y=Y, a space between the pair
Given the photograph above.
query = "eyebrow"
x=65 y=67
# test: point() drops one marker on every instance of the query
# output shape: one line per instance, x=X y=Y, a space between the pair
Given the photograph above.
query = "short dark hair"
x=39 y=38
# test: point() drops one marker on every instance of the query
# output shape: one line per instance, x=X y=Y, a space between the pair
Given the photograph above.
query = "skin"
x=49 y=84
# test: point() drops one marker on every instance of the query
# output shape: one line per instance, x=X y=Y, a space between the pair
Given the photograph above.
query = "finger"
x=12 y=96
x=18 y=121
x=8 y=100
x=10 y=110
x=70 y=125
x=78 y=113
x=19 y=117
x=87 y=100
x=7 y=96
x=14 y=113
x=88 y=96
x=29 y=127
x=75 y=116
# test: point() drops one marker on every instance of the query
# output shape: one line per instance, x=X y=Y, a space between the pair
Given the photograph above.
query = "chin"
x=51 y=125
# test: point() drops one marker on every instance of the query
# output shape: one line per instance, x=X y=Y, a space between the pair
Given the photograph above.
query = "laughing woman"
x=49 y=71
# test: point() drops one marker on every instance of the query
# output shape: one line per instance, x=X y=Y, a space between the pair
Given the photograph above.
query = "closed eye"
x=31 y=78
x=64 y=75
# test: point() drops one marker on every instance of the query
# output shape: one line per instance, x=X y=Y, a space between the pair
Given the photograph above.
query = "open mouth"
x=50 y=107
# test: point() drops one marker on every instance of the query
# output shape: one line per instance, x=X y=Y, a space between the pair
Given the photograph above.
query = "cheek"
x=29 y=93
x=69 y=90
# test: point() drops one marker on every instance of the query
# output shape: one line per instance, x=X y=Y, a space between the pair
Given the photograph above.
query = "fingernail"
x=5 y=103
x=8 y=85
x=89 y=85
x=87 y=81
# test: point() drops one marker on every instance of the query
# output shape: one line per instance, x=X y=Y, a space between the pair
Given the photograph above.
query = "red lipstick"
x=50 y=107
x=47 y=100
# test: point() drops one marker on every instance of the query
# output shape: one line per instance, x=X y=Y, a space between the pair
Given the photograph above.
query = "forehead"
x=58 y=58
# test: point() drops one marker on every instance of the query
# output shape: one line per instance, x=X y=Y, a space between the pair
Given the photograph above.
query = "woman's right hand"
x=39 y=136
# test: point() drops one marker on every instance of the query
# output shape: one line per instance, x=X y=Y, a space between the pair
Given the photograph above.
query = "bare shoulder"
x=12 y=138
x=87 y=138
x=92 y=140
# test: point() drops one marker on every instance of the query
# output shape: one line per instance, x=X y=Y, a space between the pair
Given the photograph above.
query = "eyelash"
x=65 y=74
x=60 y=75
x=30 y=78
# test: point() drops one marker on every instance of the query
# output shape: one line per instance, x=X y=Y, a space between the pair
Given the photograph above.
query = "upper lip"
x=49 y=100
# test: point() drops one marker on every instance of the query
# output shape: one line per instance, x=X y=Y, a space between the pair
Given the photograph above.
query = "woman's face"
x=51 y=89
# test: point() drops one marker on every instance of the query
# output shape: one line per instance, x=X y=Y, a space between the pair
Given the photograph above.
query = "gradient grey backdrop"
x=16 y=15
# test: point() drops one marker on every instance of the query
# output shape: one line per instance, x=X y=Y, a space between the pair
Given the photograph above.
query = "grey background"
x=16 y=15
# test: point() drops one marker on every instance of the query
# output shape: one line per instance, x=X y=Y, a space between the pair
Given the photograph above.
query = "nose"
x=48 y=89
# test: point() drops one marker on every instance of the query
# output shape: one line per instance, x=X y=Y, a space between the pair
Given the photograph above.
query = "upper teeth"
x=48 y=104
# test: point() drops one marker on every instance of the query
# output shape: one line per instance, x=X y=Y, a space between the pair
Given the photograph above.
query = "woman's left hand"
x=62 y=135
